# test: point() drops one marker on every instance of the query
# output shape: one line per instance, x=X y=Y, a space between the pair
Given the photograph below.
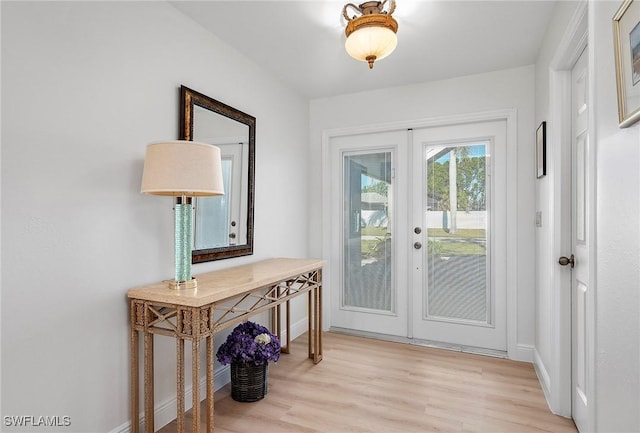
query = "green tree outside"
x=471 y=182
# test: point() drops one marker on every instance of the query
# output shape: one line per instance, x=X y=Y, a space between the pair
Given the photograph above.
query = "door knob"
x=417 y=245
x=564 y=261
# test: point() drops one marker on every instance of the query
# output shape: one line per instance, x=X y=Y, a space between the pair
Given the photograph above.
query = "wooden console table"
x=223 y=298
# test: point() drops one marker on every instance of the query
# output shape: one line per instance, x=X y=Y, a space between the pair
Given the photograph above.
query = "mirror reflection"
x=228 y=212
x=223 y=224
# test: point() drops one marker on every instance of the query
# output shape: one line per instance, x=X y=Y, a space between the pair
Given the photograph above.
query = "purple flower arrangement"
x=249 y=343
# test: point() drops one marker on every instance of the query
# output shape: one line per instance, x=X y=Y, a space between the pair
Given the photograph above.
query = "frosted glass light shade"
x=182 y=167
x=371 y=41
x=372 y=36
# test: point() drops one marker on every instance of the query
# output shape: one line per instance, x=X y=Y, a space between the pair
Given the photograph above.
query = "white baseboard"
x=165 y=412
x=124 y=428
x=298 y=328
x=524 y=352
x=543 y=375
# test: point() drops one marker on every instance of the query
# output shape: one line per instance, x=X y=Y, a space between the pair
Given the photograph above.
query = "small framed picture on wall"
x=626 y=40
x=541 y=150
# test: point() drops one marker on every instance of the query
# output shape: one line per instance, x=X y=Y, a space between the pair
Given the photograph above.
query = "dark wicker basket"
x=248 y=381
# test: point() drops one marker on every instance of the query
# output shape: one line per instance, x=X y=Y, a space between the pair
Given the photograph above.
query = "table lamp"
x=182 y=169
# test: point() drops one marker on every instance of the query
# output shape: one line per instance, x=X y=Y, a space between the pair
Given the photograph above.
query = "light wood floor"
x=365 y=385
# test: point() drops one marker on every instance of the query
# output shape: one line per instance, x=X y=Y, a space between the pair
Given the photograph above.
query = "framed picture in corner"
x=626 y=40
x=541 y=150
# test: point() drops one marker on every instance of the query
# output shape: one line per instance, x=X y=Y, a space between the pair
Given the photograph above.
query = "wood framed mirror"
x=223 y=226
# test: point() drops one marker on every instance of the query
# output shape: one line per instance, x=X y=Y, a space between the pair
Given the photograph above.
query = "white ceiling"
x=302 y=42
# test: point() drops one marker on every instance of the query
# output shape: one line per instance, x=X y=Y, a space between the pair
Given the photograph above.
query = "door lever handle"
x=564 y=261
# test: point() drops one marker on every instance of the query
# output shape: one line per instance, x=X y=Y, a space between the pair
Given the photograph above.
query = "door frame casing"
x=514 y=350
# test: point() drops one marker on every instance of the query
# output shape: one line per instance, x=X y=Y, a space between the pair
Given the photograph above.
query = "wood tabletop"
x=222 y=284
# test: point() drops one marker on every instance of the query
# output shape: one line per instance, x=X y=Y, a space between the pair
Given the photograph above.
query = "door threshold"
x=419 y=342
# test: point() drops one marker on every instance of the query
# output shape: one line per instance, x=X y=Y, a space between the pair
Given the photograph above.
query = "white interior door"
x=459 y=235
x=368 y=258
x=581 y=178
x=230 y=229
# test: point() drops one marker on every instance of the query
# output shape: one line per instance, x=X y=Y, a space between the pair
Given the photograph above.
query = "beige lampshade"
x=182 y=167
x=365 y=42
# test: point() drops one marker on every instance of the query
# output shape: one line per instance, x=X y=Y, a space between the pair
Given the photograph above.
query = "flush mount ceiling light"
x=372 y=35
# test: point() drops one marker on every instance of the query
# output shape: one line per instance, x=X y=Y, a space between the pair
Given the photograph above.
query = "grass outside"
x=460 y=233
x=452 y=245
x=460 y=248
x=374 y=231
x=459 y=244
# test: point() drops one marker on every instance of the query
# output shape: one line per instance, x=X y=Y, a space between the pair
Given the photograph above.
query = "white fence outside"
x=465 y=220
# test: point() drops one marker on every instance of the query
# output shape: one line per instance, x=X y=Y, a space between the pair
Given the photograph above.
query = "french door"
x=418 y=233
x=369 y=188
x=458 y=206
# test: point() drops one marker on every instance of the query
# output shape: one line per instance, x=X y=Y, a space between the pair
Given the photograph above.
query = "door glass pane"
x=456 y=220
x=367 y=272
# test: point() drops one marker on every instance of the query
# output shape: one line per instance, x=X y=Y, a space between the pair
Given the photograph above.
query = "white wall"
x=85 y=86
x=508 y=89
x=617 y=339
